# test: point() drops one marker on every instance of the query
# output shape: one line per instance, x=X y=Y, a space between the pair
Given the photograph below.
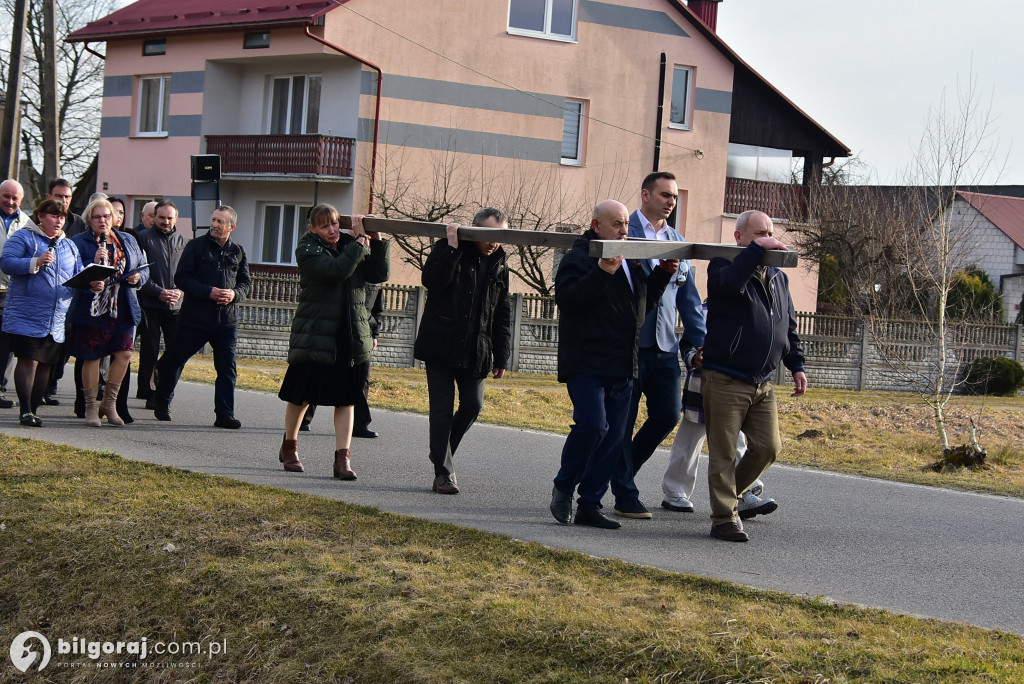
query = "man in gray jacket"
x=159 y=298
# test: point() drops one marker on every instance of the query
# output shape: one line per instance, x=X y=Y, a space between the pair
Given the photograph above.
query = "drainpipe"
x=88 y=49
x=376 y=112
x=661 y=113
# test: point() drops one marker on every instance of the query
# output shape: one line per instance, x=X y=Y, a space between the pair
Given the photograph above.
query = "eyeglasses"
x=102 y=217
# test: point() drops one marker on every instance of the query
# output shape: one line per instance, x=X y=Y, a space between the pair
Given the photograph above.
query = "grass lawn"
x=304 y=589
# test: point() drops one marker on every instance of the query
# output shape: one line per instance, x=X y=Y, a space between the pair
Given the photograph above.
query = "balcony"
x=284 y=157
x=778 y=200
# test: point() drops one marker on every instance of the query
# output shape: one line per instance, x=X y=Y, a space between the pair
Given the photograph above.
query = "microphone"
x=103 y=244
x=52 y=247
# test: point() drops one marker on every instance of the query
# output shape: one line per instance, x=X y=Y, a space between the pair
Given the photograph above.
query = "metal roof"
x=1005 y=213
x=158 y=17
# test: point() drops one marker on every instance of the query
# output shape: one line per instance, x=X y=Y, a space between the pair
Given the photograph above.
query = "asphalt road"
x=917 y=550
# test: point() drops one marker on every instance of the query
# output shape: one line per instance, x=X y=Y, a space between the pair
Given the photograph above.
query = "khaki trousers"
x=731 y=405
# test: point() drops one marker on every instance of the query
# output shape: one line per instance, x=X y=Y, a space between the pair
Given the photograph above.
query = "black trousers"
x=155 y=322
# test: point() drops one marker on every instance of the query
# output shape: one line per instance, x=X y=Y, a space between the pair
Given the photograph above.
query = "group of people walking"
x=83 y=286
x=617 y=340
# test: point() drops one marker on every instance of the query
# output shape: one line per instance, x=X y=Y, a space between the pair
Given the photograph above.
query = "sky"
x=868 y=71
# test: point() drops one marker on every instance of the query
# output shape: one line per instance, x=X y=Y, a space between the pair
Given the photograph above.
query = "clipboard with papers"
x=88 y=274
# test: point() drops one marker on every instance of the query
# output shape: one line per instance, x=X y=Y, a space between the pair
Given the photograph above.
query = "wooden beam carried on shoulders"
x=506 y=236
x=633 y=248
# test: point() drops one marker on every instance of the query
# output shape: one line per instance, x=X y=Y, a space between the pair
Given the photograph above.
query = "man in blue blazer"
x=658 y=372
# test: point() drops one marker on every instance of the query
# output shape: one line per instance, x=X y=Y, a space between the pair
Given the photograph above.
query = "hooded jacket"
x=464 y=325
x=37 y=299
x=751 y=322
x=332 y=298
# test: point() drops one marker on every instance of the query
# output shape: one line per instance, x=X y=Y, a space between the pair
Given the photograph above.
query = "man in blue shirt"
x=658 y=372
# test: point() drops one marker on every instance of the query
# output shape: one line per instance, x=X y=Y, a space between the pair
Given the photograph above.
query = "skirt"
x=39 y=349
x=322 y=385
x=102 y=338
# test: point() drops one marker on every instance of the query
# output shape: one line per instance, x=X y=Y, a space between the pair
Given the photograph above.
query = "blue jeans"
x=187 y=342
x=658 y=378
x=599 y=409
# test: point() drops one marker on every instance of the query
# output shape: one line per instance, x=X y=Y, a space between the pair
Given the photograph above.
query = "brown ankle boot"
x=343 y=465
x=290 y=456
x=92 y=416
x=109 y=405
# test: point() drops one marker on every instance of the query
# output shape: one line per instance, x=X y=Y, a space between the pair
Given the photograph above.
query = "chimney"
x=706 y=11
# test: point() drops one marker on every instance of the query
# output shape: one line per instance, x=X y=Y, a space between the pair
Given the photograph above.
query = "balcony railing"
x=778 y=200
x=303 y=155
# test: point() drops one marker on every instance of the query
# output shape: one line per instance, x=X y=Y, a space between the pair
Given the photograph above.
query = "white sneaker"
x=756 y=488
x=750 y=505
x=678 y=503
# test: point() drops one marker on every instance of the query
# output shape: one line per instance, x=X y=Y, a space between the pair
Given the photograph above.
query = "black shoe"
x=561 y=505
x=6 y=403
x=50 y=400
x=161 y=412
x=30 y=420
x=632 y=509
x=125 y=416
x=304 y=427
x=226 y=422
x=594 y=518
x=730 y=531
x=150 y=404
x=365 y=433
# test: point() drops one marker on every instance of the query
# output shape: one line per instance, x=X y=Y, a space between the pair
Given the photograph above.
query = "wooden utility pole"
x=48 y=86
x=12 y=105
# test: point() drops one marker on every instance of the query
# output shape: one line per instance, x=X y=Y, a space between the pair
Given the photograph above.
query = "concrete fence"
x=842 y=352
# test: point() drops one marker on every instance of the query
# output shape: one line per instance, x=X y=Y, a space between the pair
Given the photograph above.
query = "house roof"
x=1005 y=213
x=154 y=18
x=788 y=127
x=763 y=100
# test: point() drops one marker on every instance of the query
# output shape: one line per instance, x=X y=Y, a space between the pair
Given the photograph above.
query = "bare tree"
x=935 y=245
x=452 y=187
x=439 y=192
x=79 y=90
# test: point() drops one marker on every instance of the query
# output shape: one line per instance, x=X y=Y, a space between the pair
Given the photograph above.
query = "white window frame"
x=687 y=105
x=581 y=131
x=300 y=223
x=546 y=32
x=291 y=94
x=165 y=107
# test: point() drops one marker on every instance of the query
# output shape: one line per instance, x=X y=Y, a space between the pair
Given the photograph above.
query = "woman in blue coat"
x=39 y=259
x=103 y=318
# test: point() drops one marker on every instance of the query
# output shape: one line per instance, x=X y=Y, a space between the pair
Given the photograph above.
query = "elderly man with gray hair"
x=751 y=328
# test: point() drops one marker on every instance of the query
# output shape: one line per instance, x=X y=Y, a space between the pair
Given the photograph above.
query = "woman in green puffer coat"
x=330 y=337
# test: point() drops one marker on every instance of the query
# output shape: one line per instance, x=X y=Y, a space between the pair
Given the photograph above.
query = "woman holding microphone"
x=39 y=259
x=103 y=318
